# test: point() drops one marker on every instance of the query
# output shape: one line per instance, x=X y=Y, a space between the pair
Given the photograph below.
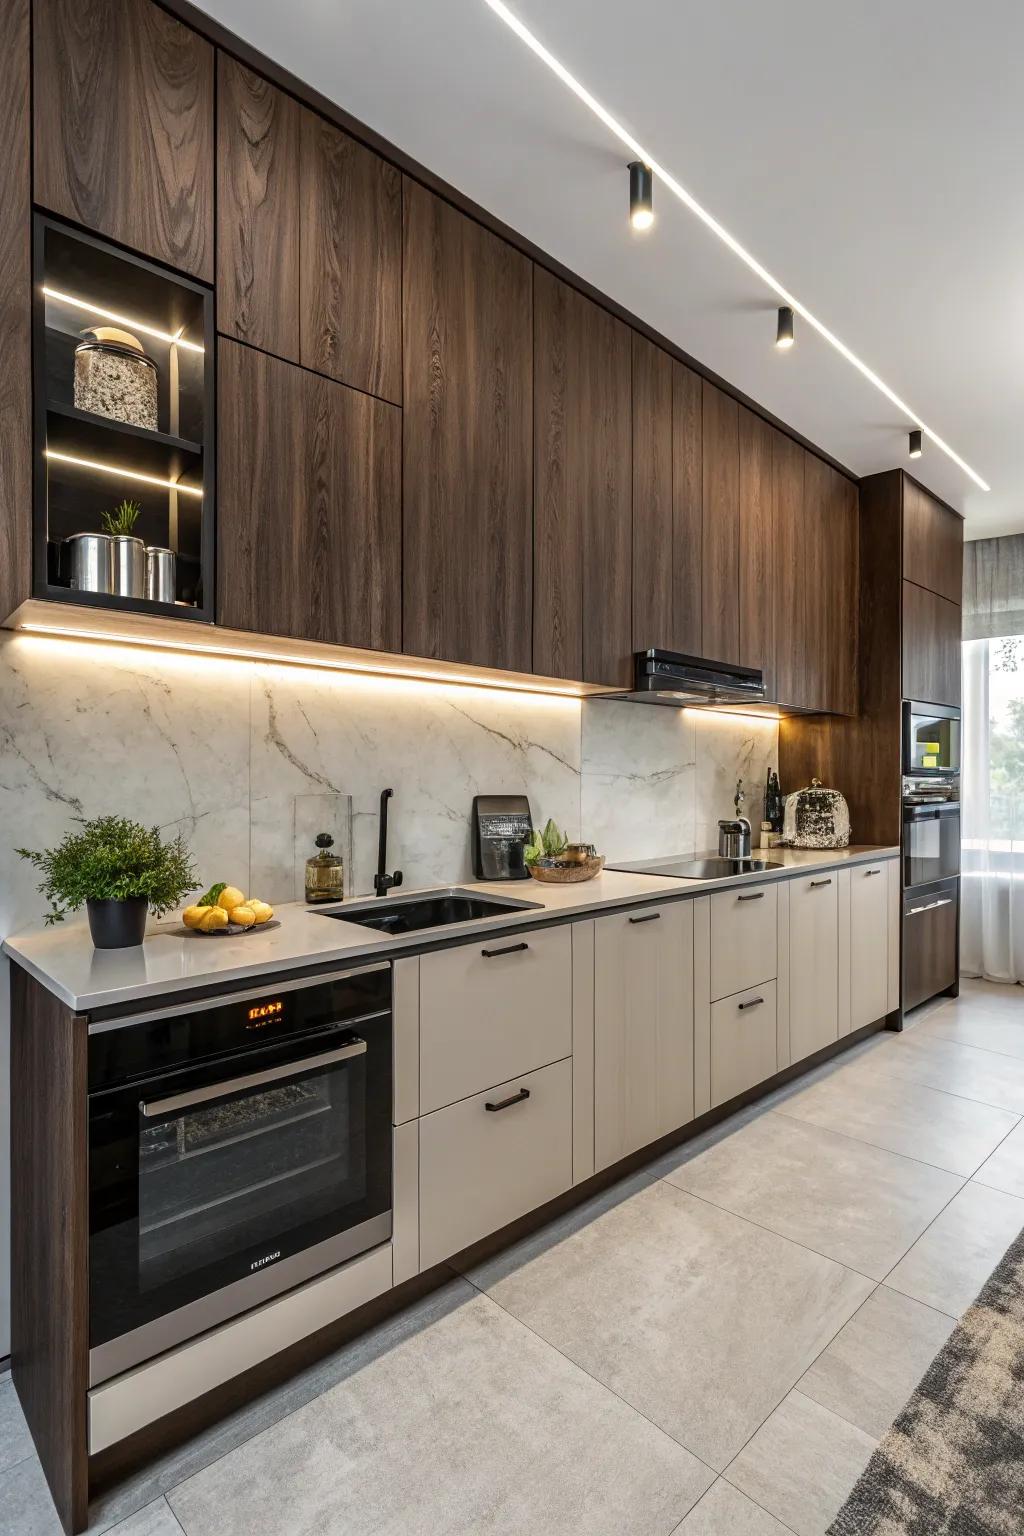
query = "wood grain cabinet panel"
x=756 y=623
x=931 y=646
x=793 y=677
x=869 y=944
x=123 y=117
x=933 y=543
x=467 y=439
x=258 y=211
x=841 y=589
x=687 y=508
x=813 y=963
x=653 y=534
x=720 y=555
x=582 y=488
x=309 y=515
x=350 y=282
x=15 y=308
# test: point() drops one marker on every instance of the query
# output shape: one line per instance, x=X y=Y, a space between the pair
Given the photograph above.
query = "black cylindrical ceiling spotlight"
x=784 y=332
x=915 y=443
x=641 y=195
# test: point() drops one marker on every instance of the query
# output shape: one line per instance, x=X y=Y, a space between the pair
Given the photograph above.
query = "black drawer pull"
x=509 y=949
x=649 y=917
x=751 y=1003
x=517 y=1098
x=751 y=896
x=872 y=872
x=821 y=882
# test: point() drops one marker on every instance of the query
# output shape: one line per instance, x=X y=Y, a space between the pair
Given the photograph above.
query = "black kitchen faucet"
x=382 y=883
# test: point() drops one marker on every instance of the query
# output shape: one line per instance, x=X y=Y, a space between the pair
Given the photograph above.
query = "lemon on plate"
x=212 y=919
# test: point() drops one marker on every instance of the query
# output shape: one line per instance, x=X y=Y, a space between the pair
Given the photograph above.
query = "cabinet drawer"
x=869 y=944
x=744 y=942
x=483 y=1167
x=743 y=1049
x=491 y=1009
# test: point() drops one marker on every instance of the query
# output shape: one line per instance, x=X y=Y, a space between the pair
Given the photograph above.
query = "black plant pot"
x=118 y=924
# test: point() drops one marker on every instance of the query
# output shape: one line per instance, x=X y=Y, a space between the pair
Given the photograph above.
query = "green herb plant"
x=549 y=844
x=113 y=859
x=123 y=518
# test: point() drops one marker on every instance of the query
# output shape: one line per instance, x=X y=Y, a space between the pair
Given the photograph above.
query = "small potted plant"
x=118 y=870
x=127 y=550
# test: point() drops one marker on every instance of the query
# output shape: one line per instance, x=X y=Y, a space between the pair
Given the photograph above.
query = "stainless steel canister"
x=160 y=575
x=90 y=562
x=128 y=555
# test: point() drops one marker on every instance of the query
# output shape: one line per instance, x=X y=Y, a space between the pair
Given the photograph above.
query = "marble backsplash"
x=250 y=761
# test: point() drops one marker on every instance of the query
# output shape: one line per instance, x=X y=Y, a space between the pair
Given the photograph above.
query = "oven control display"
x=262 y=1014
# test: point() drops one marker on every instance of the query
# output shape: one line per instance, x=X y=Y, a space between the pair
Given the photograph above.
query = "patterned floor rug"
x=953 y=1462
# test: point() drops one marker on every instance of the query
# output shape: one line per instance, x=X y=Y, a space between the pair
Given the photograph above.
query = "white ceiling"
x=867 y=154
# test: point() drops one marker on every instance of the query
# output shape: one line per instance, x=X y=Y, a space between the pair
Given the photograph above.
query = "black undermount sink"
x=428 y=909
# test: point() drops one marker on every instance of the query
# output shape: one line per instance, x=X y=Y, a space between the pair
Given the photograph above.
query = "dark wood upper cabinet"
x=258 y=211
x=756 y=635
x=842 y=582
x=794 y=680
x=123 y=126
x=309 y=515
x=15 y=309
x=687 y=509
x=653 y=512
x=582 y=619
x=350 y=280
x=467 y=439
x=931 y=646
x=720 y=555
x=933 y=543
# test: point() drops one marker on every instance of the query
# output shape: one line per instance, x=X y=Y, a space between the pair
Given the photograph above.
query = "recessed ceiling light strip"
x=639 y=152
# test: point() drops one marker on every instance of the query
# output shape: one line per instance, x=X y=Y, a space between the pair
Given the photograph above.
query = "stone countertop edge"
x=63 y=959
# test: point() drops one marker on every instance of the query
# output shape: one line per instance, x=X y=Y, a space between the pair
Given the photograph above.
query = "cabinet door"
x=756 y=627
x=16 y=456
x=308 y=521
x=687 y=508
x=720 y=563
x=794 y=664
x=643 y=1028
x=841 y=580
x=467 y=439
x=258 y=210
x=869 y=944
x=933 y=543
x=813 y=963
x=123 y=114
x=582 y=488
x=653 y=540
x=350 y=288
x=931 y=646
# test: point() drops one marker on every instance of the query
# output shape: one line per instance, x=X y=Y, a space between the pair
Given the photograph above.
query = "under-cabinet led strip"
x=125 y=474
x=109 y=314
x=638 y=152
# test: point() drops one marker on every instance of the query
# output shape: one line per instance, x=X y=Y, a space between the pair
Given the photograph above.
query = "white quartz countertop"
x=173 y=960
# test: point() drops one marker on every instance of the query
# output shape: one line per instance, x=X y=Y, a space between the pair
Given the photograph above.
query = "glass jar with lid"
x=325 y=872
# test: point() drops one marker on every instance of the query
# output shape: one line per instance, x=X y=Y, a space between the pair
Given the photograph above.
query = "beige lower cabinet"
x=869 y=944
x=643 y=1027
x=493 y=1157
x=743 y=1047
x=813 y=963
x=744 y=938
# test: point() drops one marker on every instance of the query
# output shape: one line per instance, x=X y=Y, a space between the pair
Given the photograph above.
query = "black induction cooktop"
x=709 y=868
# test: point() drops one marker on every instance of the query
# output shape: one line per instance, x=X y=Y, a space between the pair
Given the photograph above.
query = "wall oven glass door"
x=931 y=843
x=230 y=1180
x=931 y=741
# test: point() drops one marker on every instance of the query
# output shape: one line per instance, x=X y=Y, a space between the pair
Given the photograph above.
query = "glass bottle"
x=325 y=872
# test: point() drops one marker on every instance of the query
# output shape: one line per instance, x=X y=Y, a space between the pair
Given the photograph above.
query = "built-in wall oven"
x=931 y=842
x=931 y=741
x=238 y=1146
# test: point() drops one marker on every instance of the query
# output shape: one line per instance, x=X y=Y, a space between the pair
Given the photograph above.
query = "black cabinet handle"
x=517 y=1098
x=649 y=917
x=751 y=1003
x=751 y=896
x=872 y=872
x=821 y=882
x=509 y=949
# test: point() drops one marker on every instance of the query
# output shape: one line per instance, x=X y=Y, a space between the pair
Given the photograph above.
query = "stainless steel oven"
x=931 y=741
x=238 y=1146
x=931 y=842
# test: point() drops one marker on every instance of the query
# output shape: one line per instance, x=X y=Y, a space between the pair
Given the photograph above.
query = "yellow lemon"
x=212 y=919
x=193 y=916
x=243 y=914
x=230 y=898
x=264 y=912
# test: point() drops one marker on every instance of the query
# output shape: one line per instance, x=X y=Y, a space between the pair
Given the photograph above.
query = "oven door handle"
x=251 y=1080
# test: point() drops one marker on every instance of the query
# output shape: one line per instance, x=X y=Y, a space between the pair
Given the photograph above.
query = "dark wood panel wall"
x=15 y=306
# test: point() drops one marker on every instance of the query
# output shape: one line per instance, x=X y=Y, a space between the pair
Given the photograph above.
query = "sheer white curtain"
x=992 y=788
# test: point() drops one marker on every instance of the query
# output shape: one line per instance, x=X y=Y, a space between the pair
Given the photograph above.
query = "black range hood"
x=668 y=677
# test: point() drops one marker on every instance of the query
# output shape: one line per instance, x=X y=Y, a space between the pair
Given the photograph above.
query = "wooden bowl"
x=560 y=872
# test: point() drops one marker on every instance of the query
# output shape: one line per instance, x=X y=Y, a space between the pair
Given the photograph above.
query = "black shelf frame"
x=203 y=454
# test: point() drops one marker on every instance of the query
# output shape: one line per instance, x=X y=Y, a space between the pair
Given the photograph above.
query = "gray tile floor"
x=713 y=1346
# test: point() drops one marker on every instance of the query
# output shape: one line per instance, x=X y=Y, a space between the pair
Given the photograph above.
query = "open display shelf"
x=87 y=462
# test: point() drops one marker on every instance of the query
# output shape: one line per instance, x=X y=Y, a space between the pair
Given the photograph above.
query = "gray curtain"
x=993 y=588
